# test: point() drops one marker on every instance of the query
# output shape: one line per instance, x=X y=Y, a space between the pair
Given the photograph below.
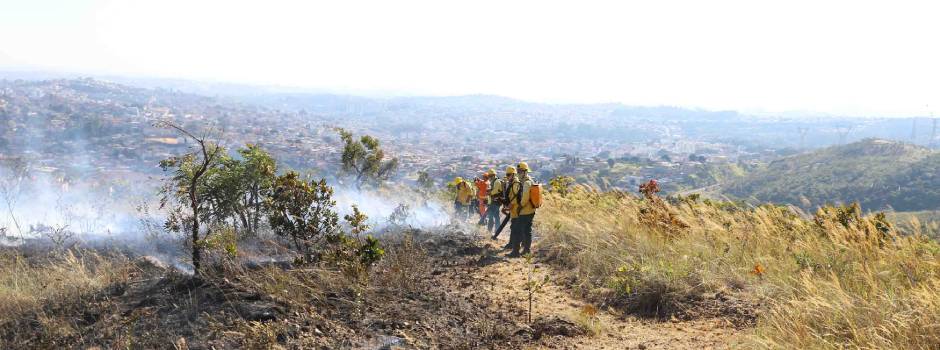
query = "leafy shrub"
x=303 y=212
x=561 y=184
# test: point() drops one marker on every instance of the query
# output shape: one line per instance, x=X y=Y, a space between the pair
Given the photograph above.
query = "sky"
x=835 y=57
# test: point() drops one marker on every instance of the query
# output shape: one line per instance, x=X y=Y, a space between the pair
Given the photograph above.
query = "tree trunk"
x=194 y=205
x=257 y=213
x=245 y=222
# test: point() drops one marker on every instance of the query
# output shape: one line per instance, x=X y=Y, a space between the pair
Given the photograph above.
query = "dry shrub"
x=839 y=280
x=404 y=266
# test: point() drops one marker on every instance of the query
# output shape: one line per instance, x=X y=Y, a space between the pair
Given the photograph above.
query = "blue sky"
x=844 y=57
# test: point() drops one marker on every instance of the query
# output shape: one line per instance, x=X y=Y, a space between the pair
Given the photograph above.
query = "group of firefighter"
x=516 y=196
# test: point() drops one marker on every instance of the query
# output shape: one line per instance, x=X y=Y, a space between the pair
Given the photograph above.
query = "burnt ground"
x=422 y=295
x=432 y=290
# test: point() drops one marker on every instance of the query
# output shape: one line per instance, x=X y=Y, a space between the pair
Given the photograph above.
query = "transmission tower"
x=844 y=133
x=802 y=130
x=913 y=130
x=933 y=132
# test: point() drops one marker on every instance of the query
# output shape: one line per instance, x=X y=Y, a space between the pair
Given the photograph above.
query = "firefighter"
x=508 y=205
x=463 y=197
x=472 y=207
x=483 y=189
x=494 y=201
x=522 y=212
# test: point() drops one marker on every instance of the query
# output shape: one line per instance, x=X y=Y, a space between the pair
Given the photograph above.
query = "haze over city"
x=383 y=175
x=860 y=58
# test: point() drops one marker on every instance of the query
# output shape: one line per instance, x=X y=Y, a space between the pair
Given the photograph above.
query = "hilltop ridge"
x=877 y=173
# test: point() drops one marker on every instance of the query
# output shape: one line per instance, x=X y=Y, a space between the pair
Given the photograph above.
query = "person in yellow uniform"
x=463 y=198
x=521 y=212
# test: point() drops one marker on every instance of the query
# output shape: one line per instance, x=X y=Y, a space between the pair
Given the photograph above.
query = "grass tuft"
x=836 y=280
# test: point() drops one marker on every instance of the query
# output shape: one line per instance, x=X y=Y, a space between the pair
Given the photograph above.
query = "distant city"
x=98 y=129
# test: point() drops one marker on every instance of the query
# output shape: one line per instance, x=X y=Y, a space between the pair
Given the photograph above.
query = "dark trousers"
x=521 y=233
x=460 y=211
x=514 y=234
x=492 y=217
x=472 y=209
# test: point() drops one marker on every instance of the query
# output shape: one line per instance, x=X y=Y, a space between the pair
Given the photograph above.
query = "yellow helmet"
x=492 y=172
x=510 y=170
x=523 y=166
x=458 y=180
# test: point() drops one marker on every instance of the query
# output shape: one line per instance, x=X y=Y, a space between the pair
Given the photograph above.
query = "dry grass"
x=26 y=283
x=46 y=293
x=820 y=283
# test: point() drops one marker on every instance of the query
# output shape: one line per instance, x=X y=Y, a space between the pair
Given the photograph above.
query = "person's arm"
x=525 y=192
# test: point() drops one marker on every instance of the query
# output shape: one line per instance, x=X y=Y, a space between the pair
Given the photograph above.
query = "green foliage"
x=425 y=180
x=533 y=285
x=225 y=240
x=357 y=221
x=621 y=173
x=365 y=159
x=370 y=251
x=303 y=212
x=188 y=190
x=561 y=184
x=850 y=217
x=257 y=172
x=878 y=174
x=218 y=190
x=367 y=251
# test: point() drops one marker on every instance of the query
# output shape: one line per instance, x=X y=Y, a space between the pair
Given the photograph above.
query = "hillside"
x=878 y=174
x=840 y=280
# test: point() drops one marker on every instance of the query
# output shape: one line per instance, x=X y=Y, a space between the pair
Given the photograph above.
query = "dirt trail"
x=505 y=279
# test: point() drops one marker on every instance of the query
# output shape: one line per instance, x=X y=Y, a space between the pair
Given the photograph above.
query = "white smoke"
x=46 y=200
x=422 y=212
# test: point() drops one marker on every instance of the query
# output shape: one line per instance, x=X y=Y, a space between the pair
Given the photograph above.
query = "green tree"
x=365 y=159
x=303 y=212
x=258 y=173
x=237 y=188
x=223 y=186
x=188 y=188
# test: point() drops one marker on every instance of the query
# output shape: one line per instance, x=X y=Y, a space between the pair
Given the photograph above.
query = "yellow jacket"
x=520 y=206
x=496 y=190
x=464 y=193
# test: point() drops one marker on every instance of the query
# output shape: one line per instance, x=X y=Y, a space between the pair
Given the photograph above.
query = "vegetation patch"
x=839 y=279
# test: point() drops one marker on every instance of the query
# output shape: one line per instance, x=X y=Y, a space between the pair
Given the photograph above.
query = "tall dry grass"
x=45 y=293
x=832 y=281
